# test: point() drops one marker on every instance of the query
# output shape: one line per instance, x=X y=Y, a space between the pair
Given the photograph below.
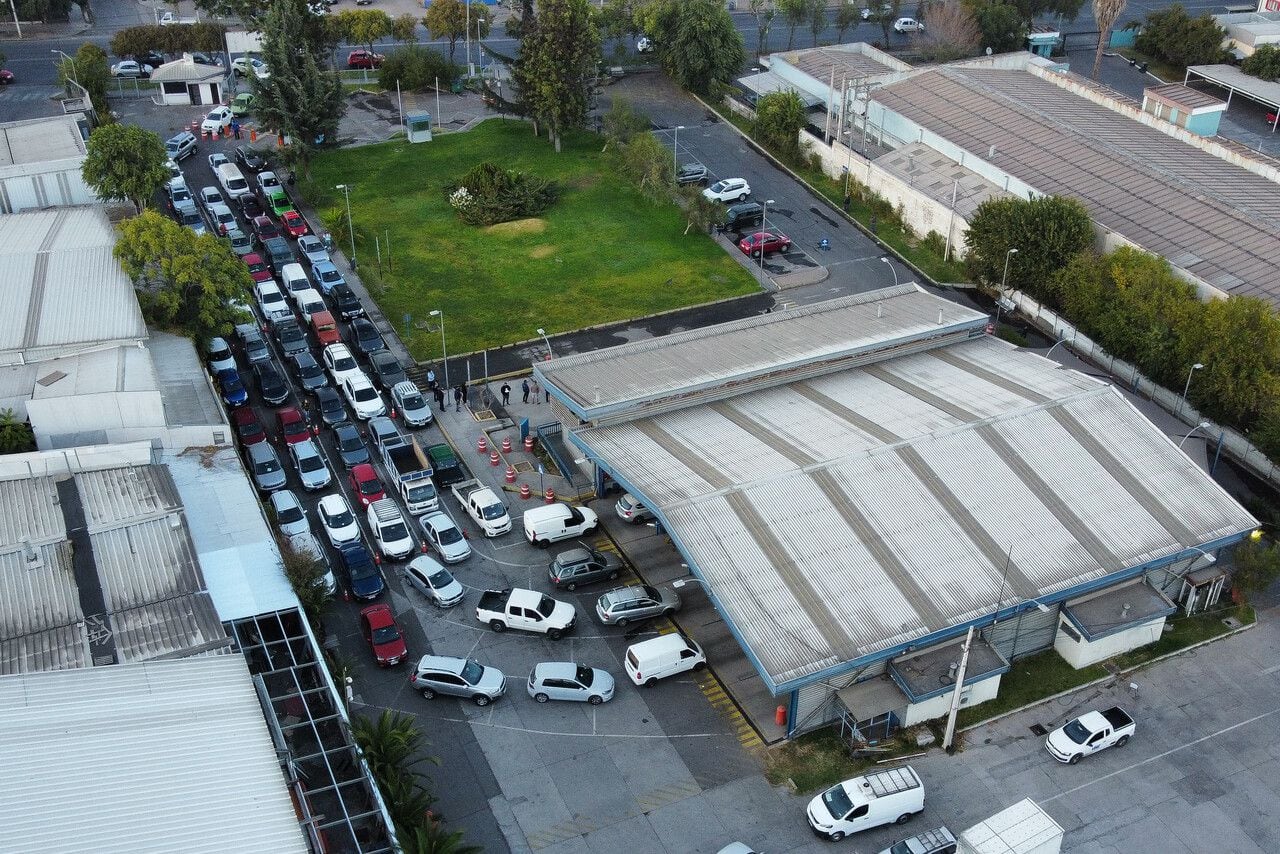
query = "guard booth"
x=419 y=127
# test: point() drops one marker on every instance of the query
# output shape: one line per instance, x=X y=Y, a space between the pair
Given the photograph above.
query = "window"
x=859 y=812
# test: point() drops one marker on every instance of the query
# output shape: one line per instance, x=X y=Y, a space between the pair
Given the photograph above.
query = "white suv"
x=362 y=396
x=390 y=531
x=728 y=190
x=339 y=362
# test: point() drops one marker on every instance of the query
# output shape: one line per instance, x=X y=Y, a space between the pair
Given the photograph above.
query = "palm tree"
x=1105 y=12
x=430 y=837
x=389 y=743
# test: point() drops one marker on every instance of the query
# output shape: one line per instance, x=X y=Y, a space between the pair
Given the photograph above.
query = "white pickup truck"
x=527 y=610
x=168 y=19
x=483 y=506
x=1090 y=733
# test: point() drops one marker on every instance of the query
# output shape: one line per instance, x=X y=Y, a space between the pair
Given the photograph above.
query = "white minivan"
x=294 y=278
x=554 y=522
x=308 y=303
x=648 y=661
x=232 y=181
x=886 y=796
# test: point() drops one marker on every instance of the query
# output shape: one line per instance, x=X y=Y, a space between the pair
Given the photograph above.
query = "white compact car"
x=362 y=396
x=728 y=190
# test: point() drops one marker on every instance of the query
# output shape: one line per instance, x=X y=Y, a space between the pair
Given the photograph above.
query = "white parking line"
x=1170 y=752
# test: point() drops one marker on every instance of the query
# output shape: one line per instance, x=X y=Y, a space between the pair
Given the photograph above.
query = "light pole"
x=764 y=229
x=543 y=333
x=1182 y=401
x=468 y=30
x=893 y=270
x=1203 y=425
x=444 y=352
x=675 y=151
x=70 y=61
x=1004 y=278
x=346 y=191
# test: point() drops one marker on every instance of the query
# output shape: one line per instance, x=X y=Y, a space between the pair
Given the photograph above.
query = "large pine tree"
x=557 y=67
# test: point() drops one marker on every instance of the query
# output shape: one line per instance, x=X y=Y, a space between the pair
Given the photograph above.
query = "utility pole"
x=955 y=695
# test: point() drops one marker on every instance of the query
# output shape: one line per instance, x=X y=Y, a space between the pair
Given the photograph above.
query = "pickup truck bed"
x=1117 y=717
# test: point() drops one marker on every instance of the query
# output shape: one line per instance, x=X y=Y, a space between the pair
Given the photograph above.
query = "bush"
x=1264 y=63
x=1175 y=37
x=780 y=116
x=416 y=68
x=489 y=194
x=935 y=243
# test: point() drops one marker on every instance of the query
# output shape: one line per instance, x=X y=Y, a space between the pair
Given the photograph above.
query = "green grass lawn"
x=602 y=253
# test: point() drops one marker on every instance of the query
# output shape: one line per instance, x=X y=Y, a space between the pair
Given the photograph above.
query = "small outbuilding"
x=184 y=82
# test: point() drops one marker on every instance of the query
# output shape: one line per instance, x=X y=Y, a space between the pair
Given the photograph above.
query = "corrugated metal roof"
x=41 y=621
x=933 y=173
x=851 y=60
x=166 y=756
x=62 y=286
x=640 y=373
x=840 y=516
x=40 y=140
x=1212 y=218
x=1180 y=95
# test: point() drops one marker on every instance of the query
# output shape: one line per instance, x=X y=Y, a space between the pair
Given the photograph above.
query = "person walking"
x=506 y=394
x=439 y=395
x=524 y=387
x=537 y=392
x=457 y=398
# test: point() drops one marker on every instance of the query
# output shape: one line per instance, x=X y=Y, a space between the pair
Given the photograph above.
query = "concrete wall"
x=1082 y=653
x=940 y=706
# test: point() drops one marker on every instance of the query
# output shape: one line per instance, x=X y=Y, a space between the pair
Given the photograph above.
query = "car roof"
x=380 y=609
x=439 y=520
x=555 y=669
x=333 y=503
x=573 y=556
x=289 y=414
x=284 y=498
x=305 y=448
x=406 y=387
x=343 y=429
x=262 y=451
x=338 y=349
x=364 y=470
x=446 y=663
x=245 y=416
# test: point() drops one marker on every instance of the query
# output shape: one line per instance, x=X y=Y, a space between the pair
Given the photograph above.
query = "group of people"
x=530 y=390
x=439 y=393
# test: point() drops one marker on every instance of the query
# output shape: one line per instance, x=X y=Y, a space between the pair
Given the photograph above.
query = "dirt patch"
x=543 y=251
x=517 y=227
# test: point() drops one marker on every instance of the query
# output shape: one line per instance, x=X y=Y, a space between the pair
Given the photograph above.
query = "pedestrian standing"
x=506 y=394
x=439 y=394
x=457 y=398
x=537 y=392
x=431 y=378
x=235 y=128
x=524 y=387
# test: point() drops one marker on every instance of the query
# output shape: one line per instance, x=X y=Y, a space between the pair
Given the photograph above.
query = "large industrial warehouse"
x=859 y=482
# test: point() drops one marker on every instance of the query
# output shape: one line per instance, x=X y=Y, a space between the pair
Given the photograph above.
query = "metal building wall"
x=1030 y=631
x=815 y=705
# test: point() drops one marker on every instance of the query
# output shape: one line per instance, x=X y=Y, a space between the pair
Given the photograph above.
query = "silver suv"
x=458 y=677
x=637 y=602
x=268 y=474
x=582 y=566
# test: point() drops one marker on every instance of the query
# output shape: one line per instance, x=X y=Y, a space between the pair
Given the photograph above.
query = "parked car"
x=345 y=302
x=219 y=356
x=552 y=523
x=242 y=104
x=691 y=173
x=200 y=58
x=209 y=196
x=339 y=362
x=249 y=159
x=272 y=302
x=362 y=397
x=1090 y=733
x=292 y=339
x=290 y=518
x=365 y=484
x=222 y=220
x=575 y=567
x=364 y=59
x=312 y=469
x=293 y=223
x=248 y=426
x=629 y=509
x=410 y=403
x=268 y=183
x=218 y=120
x=330 y=406
x=378 y=625
x=233 y=391
x=308 y=371
x=433 y=581
x=180 y=145
x=292 y=425
x=366 y=337
x=312 y=248
x=386 y=370
x=278 y=202
x=908 y=25
x=241 y=243
x=884 y=796
x=264 y=228
x=764 y=242
x=132 y=68
x=657 y=658
x=458 y=677
x=728 y=190
x=884 y=9
x=264 y=464
x=638 y=602
x=243 y=66
x=389 y=529
x=936 y=841
x=644 y=44
x=271 y=385
x=255 y=348
x=568 y=680
x=189 y=215
x=215 y=160
x=339 y=524
x=250 y=209
x=444 y=536
x=364 y=575
x=350 y=445
x=325 y=275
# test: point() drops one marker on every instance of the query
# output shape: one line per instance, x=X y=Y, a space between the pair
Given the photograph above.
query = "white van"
x=232 y=181
x=294 y=278
x=887 y=796
x=554 y=522
x=308 y=302
x=651 y=660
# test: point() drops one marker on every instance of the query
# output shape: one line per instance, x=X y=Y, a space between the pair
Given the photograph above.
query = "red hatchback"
x=764 y=241
x=248 y=428
x=294 y=224
x=365 y=483
x=383 y=635
x=265 y=228
x=293 y=427
x=257 y=267
x=364 y=59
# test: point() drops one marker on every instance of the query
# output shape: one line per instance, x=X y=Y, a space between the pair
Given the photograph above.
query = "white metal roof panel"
x=40 y=140
x=159 y=757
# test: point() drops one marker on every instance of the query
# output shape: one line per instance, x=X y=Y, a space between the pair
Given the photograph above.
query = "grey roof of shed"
x=936 y=175
x=1184 y=96
x=843 y=515
x=852 y=60
x=1214 y=219
x=1123 y=607
x=40 y=141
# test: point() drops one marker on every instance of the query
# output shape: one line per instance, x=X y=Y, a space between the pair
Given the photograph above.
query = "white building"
x=40 y=162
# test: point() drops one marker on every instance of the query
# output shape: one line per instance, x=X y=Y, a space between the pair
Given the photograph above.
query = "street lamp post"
x=1182 y=401
x=1203 y=425
x=675 y=151
x=1004 y=278
x=547 y=341
x=893 y=270
x=764 y=228
x=346 y=192
x=444 y=352
x=69 y=59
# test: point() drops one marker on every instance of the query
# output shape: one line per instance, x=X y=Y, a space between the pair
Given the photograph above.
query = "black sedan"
x=331 y=408
x=250 y=159
x=351 y=449
x=366 y=336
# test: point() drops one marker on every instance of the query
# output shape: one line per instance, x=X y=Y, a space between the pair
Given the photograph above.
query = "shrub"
x=1175 y=37
x=416 y=68
x=488 y=194
x=1263 y=63
x=935 y=243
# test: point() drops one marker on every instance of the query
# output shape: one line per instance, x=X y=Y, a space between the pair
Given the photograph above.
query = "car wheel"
x=701 y=665
x=571 y=586
x=755 y=253
x=595 y=699
x=904 y=818
x=837 y=835
x=742 y=198
x=622 y=624
x=481 y=700
x=1074 y=759
x=651 y=681
x=1124 y=739
x=542 y=544
x=541 y=698
x=554 y=634
x=497 y=626
x=667 y=612
x=428 y=694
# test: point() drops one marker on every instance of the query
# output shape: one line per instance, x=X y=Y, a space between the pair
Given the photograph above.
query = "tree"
x=1238 y=342
x=300 y=99
x=1047 y=231
x=1175 y=37
x=779 y=118
x=817 y=18
x=557 y=66
x=185 y=281
x=307 y=575
x=885 y=15
x=16 y=437
x=1263 y=63
x=1105 y=12
x=361 y=26
x=125 y=163
x=794 y=12
x=1032 y=9
x=617 y=24
x=416 y=68
x=390 y=744
x=648 y=165
x=430 y=837
x=1002 y=25
x=953 y=33
x=697 y=42
x=447 y=19
x=404 y=29
x=764 y=12
x=700 y=212
x=622 y=123
x=847 y=15
x=251 y=12
x=1257 y=565
x=91 y=70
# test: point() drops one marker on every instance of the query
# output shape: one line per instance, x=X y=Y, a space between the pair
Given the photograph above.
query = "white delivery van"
x=887 y=796
x=293 y=278
x=232 y=181
x=554 y=522
x=651 y=660
x=308 y=303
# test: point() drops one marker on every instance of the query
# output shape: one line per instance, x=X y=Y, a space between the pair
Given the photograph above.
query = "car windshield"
x=413 y=401
x=440 y=579
x=350 y=441
x=290 y=332
x=311 y=369
x=191 y=218
x=718 y=187
x=901 y=848
x=363 y=569
x=238 y=240
x=493 y=511
x=232 y=384
x=837 y=801
x=313 y=463
x=395 y=533
x=471 y=672
x=1076 y=732
x=268 y=465
x=292 y=513
x=449 y=536
x=249 y=429
x=546 y=606
x=340 y=520
x=365 y=393
x=370 y=487
x=330 y=276
x=585 y=675
x=272 y=297
x=344 y=363
x=386 y=634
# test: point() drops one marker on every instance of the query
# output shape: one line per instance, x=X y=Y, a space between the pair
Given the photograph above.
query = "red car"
x=764 y=241
x=383 y=635
x=248 y=427
x=294 y=224
x=293 y=427
x=265 y=228
x=364 y=59
x=6 y=77
x=365 y=483
x=257 y=267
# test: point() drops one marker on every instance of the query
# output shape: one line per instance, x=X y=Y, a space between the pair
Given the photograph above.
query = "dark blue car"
x=366 y=578
x=233 y=391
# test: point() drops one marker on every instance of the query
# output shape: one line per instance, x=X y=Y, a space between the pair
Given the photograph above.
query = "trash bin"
x=456 y=87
